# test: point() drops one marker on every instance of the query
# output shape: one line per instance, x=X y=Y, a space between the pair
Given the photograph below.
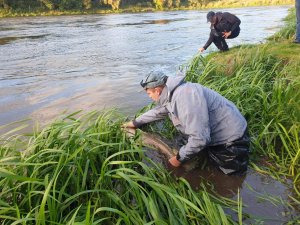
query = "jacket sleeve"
x=232 y=19
x=194 y=117
x=157 y=113
x=209 y=41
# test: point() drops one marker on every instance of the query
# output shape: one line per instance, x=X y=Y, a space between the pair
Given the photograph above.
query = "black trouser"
x=231 y=157
x=219 y=40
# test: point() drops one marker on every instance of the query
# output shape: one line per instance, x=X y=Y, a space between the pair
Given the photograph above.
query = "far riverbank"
x=81 y=9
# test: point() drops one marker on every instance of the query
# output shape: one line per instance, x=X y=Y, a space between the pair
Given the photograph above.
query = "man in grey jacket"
x=209 y=121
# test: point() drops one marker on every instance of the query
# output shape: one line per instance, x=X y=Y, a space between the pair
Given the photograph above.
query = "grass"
x=193 y=5
x=264 y=83
x=83 y=170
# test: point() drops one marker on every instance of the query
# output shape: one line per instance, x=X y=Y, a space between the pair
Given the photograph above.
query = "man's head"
x=210 y=15
x=154 y=83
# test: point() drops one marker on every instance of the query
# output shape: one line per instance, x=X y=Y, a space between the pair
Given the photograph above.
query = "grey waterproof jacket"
x=206 y=117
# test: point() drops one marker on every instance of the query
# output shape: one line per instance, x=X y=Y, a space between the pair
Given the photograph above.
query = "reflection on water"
x=6 y=40
x=264 y=199
x=51 y=65
x=163 y=21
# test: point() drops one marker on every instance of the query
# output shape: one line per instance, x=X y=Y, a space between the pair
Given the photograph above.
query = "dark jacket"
x=225 y=22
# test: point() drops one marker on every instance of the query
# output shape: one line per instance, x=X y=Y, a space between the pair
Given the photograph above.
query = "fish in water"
x=155 y=142
x=152 y=141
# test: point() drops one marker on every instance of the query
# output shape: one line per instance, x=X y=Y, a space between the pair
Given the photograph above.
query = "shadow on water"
x=7 y=40
x=160 y=21
x=265 y=200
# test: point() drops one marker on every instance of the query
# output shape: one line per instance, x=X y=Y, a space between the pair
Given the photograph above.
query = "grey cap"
x=154 y=79
x=210 y=16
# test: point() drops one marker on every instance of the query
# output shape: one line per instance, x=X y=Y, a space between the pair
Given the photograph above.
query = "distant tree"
x=176 y=3
x=48 y=3
x=195 y=3
x=87 y=4
x=70 y=4
x=158 y=4
x=169 y=3
x=114 y=4
x=4 y=4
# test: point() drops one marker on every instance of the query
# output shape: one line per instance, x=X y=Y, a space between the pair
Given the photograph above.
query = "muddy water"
x=265 y=200
x=56 y=65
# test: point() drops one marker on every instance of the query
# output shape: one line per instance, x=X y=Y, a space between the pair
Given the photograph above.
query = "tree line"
x=44 y=5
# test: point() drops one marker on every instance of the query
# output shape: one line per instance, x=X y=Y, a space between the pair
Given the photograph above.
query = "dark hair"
x=210 y=16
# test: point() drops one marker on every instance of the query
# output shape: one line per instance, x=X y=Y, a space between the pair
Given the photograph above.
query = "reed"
x=83 y=170
x=266 y=90
x=288 y=30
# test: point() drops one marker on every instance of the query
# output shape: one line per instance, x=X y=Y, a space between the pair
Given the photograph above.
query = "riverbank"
x=150 y=7
x=263 y=80
x=83 y=170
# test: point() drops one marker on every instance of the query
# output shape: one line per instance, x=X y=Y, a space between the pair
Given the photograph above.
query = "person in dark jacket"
x=210 y=122
x=223 y=26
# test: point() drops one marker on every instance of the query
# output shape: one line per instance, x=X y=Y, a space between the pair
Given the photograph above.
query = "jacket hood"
x=171 y=85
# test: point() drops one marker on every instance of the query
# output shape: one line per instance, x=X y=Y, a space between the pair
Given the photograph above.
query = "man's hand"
x=128 y=124
x=201 y=49
x=174 y=162
x=226 y=34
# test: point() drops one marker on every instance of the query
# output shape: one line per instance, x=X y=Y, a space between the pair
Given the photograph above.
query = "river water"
x=55 y=65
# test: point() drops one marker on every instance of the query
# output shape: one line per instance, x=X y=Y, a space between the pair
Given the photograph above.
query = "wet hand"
x=128 y=124
x=226 y=34
x=174 y=162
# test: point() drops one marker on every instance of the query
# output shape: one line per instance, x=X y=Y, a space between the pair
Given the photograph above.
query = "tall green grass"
x=266 y=90
x=84 y=170
x=288 y=30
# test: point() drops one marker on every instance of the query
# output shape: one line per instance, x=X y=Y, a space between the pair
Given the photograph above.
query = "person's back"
x=226 y=22
x=225 y=121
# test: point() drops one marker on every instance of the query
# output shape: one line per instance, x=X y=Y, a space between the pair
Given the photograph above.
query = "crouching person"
x=209 y=121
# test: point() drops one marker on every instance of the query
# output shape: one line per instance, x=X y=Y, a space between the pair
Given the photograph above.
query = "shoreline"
x=4 y=14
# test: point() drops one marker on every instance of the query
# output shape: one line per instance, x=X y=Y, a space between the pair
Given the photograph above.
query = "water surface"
x=54 y=65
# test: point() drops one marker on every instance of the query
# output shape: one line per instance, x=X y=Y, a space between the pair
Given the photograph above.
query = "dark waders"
x=230 y=158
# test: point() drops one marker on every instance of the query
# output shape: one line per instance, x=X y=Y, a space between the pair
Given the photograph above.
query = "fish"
x=155 y=142
x=152 y=141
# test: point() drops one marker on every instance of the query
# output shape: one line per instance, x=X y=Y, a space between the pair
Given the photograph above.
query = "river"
x=56 y=65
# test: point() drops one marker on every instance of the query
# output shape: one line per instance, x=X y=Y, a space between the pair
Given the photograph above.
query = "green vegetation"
x=62 y=7
x=83 y=170
x=264 y=82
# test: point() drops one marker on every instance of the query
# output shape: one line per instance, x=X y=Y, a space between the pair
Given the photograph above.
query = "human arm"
x=194 y=117
x=207 y=44
x=157 y=113
x=201 y=49
x=174 y=161
x=128 y=125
